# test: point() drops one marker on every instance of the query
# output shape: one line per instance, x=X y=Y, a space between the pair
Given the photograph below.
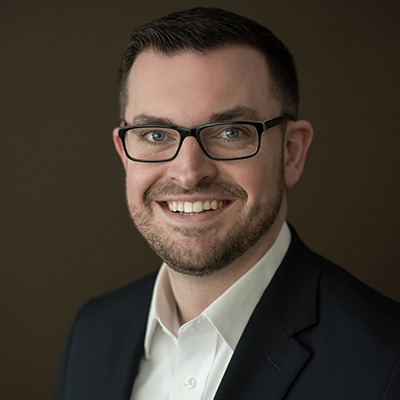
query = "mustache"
x=220 y=188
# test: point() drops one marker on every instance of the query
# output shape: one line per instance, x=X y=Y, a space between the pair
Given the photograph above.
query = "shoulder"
x=342 y=282
x=344 y=305
x=118 y=305
x=356 y=304
x=340 y=288
x=354 y=333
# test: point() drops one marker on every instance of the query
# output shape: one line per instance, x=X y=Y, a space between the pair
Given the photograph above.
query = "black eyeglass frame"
x=261 y=127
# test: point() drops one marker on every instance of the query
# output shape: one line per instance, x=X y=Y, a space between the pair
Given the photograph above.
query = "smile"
x=191 y=208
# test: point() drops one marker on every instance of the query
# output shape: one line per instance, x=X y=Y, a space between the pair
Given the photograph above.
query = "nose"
x=191 y=166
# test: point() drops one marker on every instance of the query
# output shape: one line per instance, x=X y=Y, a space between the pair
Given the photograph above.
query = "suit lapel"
x=124 y=355
x=265 y=362
x=268 y=358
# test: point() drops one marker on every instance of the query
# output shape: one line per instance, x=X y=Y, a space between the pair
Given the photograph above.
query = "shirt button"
x=190 y=383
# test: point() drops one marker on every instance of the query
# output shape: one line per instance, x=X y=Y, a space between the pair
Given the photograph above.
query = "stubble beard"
x=203 y=251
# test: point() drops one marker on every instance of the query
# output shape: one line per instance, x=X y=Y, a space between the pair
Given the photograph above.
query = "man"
x=240 y=309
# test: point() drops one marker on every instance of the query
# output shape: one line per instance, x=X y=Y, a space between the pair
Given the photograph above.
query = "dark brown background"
x=66 y=234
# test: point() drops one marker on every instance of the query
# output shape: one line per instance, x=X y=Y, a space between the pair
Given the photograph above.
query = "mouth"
x=196 y=207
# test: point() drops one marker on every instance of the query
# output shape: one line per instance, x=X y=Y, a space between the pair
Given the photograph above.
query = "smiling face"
x=201 y=215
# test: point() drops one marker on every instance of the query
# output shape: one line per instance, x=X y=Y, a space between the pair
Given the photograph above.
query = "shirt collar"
x=239 y=300
x=162 y=308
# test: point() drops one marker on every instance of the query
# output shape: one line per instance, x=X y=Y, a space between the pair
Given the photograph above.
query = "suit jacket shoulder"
x=124 y=303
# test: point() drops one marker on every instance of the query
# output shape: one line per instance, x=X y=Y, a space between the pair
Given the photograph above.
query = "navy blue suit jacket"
x=317 y=333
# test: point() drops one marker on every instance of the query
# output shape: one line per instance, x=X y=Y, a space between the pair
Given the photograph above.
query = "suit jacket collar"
x=268 y=357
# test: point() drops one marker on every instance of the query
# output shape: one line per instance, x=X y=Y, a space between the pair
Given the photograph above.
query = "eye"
x=155 y=136
x=231 y=133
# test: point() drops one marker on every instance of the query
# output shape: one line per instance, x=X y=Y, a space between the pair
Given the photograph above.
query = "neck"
x=194 y=294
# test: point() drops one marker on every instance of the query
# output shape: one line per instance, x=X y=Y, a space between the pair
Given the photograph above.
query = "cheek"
x=262 y=177
x=139 y=177
x=248 y=174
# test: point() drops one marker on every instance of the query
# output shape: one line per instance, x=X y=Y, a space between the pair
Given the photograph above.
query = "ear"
x=298 y=138
x=119 y=147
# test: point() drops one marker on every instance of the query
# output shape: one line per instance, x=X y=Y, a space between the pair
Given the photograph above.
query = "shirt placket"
x=197 y=344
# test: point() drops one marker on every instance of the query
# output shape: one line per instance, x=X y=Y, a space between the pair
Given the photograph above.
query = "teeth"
x=188 y=207
x=198 y=206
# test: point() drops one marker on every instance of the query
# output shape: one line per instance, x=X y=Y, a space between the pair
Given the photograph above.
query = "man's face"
x=232 y=210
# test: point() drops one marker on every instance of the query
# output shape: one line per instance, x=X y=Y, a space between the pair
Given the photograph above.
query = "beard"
x=201 y=251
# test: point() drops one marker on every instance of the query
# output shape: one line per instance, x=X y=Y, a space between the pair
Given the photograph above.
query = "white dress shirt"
x=188 y=362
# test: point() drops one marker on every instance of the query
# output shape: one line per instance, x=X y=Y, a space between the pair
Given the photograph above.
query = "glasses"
x=228 y=140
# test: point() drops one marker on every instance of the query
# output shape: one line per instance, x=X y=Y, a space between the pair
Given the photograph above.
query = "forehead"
x=189 y=87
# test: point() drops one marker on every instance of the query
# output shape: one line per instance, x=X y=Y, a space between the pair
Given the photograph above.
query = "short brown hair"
x=203 y=29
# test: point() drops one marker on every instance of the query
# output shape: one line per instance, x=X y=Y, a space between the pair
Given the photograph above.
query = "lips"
x=199 y=206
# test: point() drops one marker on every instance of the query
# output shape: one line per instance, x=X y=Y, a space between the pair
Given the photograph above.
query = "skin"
x=191 y=89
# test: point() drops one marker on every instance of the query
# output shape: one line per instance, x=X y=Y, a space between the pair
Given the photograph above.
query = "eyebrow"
x=235 y=113
x=238 y=112
x=146 y=119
